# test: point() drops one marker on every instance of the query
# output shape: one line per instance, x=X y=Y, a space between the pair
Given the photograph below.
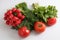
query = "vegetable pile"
x=25 y=20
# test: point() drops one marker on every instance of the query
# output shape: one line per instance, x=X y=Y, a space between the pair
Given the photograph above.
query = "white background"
x=6 y=33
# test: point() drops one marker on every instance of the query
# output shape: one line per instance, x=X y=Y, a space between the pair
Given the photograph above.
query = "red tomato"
x=39 y=27
x=51 y=21
x=23 y=31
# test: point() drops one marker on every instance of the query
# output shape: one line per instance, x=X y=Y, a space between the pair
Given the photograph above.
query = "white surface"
x=51 y=33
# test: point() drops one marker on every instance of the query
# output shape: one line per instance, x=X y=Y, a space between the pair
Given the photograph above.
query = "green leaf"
x=38 y=13
x=22 y=6
x=43 y=13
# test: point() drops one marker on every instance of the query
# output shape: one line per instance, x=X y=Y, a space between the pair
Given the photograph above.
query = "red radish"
x=9 y=22
x=12 y=18
x=9 y=12
x=22 y=17
x=19 y=15
x=17 y=11
x=14 y=9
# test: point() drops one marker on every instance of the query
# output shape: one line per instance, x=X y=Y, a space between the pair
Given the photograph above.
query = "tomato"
x=51 y=21
x=39 y=27
x=23 y=31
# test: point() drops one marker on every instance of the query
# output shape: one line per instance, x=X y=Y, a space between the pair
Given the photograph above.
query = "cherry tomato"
x=51 y=21
x=39 y=27
x=23 y=31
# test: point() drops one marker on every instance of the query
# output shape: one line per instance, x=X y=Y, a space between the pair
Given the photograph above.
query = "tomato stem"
x=39 y=25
